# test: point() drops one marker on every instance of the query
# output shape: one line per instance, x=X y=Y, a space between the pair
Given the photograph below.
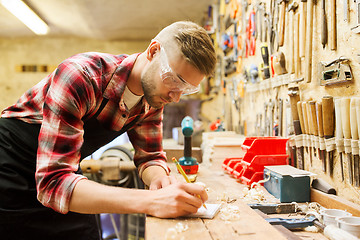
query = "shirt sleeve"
x=146 y=138
x=61 y=135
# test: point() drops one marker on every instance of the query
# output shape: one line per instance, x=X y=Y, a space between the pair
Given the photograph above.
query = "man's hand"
x=176 y=200
x=162 y=181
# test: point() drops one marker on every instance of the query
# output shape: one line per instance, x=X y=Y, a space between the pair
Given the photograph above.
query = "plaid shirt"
x=60 y=102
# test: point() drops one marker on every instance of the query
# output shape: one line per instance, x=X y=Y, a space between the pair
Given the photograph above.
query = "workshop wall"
x=250 y=104
x=23 y=59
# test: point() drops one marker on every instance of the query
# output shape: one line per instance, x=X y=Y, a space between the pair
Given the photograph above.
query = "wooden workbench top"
x=250 y=225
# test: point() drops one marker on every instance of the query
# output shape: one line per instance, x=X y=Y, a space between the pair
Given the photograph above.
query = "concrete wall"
x=46 y=51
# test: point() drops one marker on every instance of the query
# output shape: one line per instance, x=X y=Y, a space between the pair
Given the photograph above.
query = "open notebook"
x=210 y=212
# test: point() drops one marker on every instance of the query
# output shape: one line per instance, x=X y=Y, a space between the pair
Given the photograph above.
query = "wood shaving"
x=230 y=213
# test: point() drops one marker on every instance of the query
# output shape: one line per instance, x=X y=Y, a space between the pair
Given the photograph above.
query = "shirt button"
x=124 y=115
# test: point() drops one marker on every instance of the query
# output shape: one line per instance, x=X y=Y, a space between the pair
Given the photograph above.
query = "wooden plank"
x=249 y=226
x=333 y=201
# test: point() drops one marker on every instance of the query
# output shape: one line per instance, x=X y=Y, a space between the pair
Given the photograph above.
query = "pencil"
x=184 y=175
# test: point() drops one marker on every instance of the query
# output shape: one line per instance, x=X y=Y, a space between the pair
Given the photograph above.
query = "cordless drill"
x=187 y=162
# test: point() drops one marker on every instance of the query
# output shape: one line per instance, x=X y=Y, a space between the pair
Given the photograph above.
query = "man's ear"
x=152 y=50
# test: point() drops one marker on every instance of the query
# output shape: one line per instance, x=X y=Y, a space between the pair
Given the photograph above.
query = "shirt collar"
x=116 y=87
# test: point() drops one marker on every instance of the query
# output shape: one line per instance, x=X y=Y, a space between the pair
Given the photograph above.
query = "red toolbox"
x=259 y=152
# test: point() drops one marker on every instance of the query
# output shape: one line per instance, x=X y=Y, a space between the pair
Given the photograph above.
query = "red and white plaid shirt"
x=60 y=101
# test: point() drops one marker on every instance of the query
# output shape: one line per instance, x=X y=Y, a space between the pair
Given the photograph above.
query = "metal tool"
x=292 y=223
x=336 y=71
x=328 y=125
x=300 y=156
x=280 y=208
x=315 y=131
x=339 y=136
x=187 y=162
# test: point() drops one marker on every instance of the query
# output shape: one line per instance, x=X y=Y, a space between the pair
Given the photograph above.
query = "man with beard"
x=89 y=100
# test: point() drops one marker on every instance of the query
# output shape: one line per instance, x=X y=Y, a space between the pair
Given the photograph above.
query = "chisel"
x=328 y=125
x=312 y=108
x=339 y=136
x=311 y=131
x=345 y=122
x=301 y=119
x=306 y=125
x=354 y=139
x=319 y=122
x=294 y=99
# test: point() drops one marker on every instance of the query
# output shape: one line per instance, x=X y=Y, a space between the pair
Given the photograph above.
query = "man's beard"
x=149 y=87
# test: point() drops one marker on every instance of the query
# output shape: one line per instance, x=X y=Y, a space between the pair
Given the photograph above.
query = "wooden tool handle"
x=309 y=35
x=328 y=116
x=353 y=120
x=319 y=119
x=312 y=105
x=302 y=27
x=332 y=31
x=345 y=117
x=293 y=104
x=323 y=25
x=296 y=45
x=301 y=117
x=281 y=23
x=338 y=130
x=309 y=119
x=304 y=111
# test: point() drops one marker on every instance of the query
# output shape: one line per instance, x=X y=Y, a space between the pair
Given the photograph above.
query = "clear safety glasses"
x=171 y=80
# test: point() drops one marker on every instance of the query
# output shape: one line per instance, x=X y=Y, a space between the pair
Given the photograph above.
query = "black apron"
x=22 y=216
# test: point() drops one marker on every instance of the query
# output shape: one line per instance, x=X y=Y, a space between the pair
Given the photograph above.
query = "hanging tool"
x=265 y=56
x=279 y=63
x=345 y=121
x=309 y=36
x=300 y=142
x=354 y=140
x=315 y=133
x=322 y=147
x=311 y=132
x=328 y=125
x=297 y=60
x=302 y=27
x=357 y=103
x=332 y=37
x=291 y=9
x=324 y=32
x=335 y=71
x=294 y=99
x=282 y=6
x=307 y=130
x=339 y=136
x=188 y=163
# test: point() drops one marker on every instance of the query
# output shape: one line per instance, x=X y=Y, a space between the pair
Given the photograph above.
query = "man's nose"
x=175 y=96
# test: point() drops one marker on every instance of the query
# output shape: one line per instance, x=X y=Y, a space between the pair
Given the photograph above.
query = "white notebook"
x=210 y=212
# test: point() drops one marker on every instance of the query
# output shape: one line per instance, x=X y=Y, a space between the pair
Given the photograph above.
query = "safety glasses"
x=171 y=80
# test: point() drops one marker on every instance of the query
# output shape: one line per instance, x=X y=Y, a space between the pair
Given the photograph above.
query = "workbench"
x=250 y=226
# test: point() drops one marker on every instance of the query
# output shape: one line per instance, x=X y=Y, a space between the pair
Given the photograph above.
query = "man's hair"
x=194 y=42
